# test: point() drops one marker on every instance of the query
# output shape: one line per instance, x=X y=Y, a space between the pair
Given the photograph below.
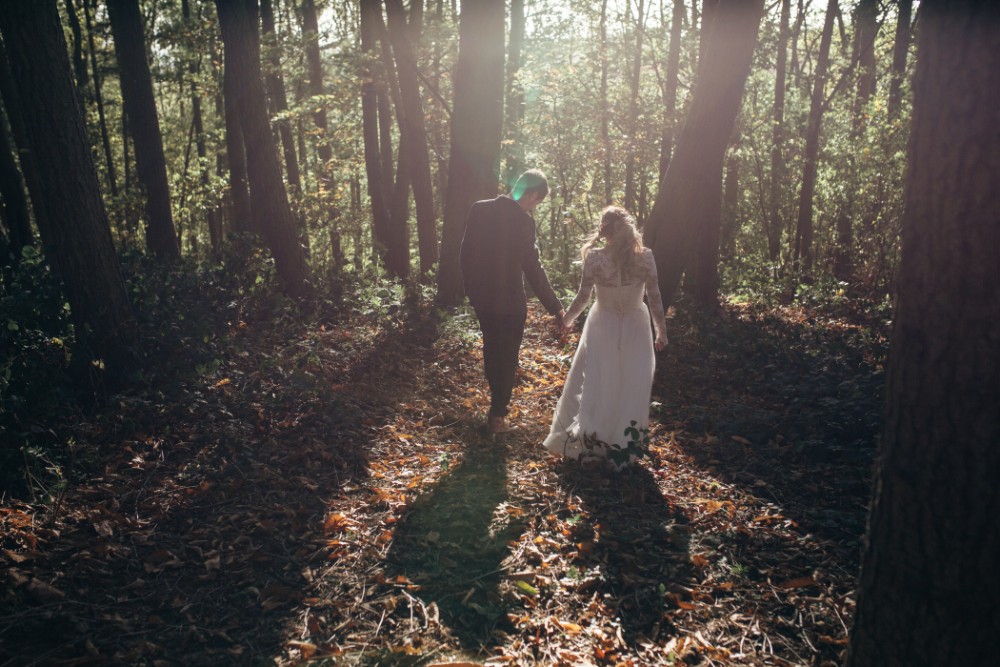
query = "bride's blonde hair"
x=625 y=242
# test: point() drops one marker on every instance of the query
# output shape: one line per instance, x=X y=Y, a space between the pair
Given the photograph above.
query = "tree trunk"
x=75 y=229
x=99 y=101
x=310 y=30
x=774 y=222
x=900 y=49
x=476 y=131
x=14 y=207
x=276 y=92
x=369 y=124
x=236 y=156
x=929 y=579
x=413 y=126
x=803 y=250
x=632 y=126
x=670 y=88
x=140 y=105
x=683 y=227
x=269 y=208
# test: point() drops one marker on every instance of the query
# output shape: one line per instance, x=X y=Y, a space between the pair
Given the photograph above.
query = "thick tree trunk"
x=413 y=126
x=269 y=208
x=276 y=92
x=99 y=101
x=900 y=49
x=14 y=210
x=683 y=227
x=670 y=88
x=140 y=105
x=774 y=222
x=75 y=229
x=476 y=131
x=802 y=251
x=929 y=578
x=369 y=125
x=310 y=33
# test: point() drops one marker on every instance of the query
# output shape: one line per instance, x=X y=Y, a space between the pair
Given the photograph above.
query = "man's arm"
x=532 y=267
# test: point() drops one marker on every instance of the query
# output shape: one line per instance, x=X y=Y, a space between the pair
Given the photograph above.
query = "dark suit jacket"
x=498 y=249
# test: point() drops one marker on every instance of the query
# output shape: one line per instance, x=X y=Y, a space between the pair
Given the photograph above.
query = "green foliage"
x=36 y=336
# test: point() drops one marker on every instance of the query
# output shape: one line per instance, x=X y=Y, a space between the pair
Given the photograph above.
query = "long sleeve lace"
x=584 y=293
x=653 y=296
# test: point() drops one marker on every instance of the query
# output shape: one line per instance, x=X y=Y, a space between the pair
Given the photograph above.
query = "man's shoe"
x=498 y=424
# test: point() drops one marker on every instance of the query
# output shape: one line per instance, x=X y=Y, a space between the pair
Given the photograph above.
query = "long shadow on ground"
x=633 y=546
x=787 y=408
x=453 y=541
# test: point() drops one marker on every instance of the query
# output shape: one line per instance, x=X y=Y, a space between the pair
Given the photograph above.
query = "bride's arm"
x=583 y=295
x=654 y=299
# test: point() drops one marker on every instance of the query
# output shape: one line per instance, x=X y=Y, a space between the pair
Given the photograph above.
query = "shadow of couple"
x=456 y=538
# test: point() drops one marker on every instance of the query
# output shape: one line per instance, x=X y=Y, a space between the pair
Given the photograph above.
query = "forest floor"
x=328 y=494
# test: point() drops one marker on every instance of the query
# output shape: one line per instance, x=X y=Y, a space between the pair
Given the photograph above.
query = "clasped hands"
x=562 y=330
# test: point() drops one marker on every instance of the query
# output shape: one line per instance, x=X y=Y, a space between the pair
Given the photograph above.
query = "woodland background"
x=239 y=215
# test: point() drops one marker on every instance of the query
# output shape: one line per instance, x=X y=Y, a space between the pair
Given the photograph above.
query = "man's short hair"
x=530 y=181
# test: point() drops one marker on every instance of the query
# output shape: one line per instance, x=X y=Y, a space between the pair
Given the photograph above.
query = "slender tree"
x=605 y=105
x=140 y=105
x=75 y=225
x=236 y=156
x=369 y=122
x=514 y=115
x=670 y=87
x=683 y=227
x=310 y=33
x=13 y=203
x=476 y=131
x=413 y=126
x=109 y=160
x=929 y=581
x=632 y=122
x=79 y=62
x=275 y=81
x=900 y=49
x=802 y=250
x=269 y=208
x=773 y=221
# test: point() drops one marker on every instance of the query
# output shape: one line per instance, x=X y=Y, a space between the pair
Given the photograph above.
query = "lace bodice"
x=617 y=291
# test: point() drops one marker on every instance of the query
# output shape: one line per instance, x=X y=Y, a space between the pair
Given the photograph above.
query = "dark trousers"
x=502 y=334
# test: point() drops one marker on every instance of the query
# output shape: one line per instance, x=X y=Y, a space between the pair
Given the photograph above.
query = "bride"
x=604 y=409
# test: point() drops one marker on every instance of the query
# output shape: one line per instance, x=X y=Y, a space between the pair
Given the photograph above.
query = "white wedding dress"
x=610 y=380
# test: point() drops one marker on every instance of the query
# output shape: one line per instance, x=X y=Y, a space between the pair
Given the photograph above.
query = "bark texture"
x=76 y=233
x=929 y=577
x=683 y=227
x=269 y=208
x=476 y=131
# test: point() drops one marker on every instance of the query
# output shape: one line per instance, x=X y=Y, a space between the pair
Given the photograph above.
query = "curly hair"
x=624 y=241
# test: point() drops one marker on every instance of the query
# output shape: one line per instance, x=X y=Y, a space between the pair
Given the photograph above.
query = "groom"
x=497 y=251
